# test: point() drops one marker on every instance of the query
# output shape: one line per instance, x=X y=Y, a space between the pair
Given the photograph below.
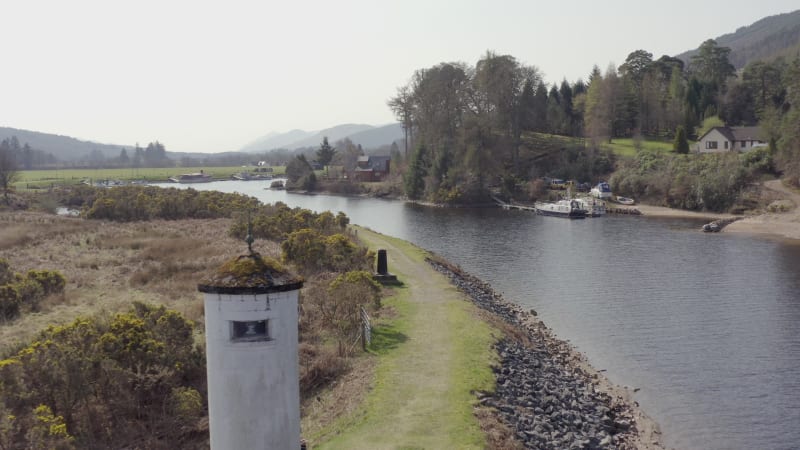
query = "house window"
x=744 y=144
x=726 y=145
x=711 y=145
x=250 y=331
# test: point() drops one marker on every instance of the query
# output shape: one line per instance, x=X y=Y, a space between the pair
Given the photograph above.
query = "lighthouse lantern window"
x=249 y=331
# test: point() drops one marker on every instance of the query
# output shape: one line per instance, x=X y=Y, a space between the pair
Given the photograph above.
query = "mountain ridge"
x=368 y=136
x=764 y=39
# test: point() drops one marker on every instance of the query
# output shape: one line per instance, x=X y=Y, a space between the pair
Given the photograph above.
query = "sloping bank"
x=442 y=362
x=546 y=390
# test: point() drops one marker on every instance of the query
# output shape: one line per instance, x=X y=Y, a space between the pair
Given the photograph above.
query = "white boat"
x=247 y=176
x=601 y=191
x=198 y=177
x=625 y=200
x=593 y=207
x=570 y=209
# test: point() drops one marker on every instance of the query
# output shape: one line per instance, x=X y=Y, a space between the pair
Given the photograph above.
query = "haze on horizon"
x=204 y=76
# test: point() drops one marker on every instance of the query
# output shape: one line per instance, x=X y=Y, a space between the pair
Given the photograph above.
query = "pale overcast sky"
x=212 y=76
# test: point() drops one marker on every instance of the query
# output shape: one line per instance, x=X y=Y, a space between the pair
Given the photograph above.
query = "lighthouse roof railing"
x=250 y=274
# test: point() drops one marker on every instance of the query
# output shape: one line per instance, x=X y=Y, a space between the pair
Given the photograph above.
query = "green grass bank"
x=44 y=178
x=432 y=353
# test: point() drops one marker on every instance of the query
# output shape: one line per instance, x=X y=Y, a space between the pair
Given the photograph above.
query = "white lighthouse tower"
x=251 y=350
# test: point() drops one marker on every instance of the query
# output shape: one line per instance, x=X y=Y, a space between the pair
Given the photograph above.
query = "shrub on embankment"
x=705 y=182
x=319 y=246
x=137 y=377
x=138 y=203
x=157 y=257
x=20 y=293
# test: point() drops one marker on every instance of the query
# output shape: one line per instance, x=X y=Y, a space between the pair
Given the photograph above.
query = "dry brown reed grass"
x=499 y=436
x=342 y=399
x=109 y=265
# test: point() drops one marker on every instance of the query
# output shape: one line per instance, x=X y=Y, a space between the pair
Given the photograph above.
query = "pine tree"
x=415 y=177
x=680 y=145
x=325 y=153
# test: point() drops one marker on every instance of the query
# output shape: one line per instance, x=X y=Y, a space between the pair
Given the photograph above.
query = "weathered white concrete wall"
x=253 y=387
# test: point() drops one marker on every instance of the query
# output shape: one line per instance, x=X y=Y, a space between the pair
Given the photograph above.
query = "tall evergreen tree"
x=711 y=64
x=325 y=153
x=565 y=92
x=414 y=181
x=124 y=160
x=539 y=118
x=8 y=168
x=680 y=144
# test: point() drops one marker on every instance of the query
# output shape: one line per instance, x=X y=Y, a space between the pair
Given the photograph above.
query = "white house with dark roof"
x=726 y=139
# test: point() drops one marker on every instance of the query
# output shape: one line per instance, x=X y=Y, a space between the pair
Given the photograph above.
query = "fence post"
x=366 y=334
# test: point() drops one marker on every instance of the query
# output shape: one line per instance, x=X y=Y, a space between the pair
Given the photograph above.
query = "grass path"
x=431 y=358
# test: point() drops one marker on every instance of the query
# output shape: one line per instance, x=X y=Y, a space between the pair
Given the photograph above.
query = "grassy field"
x=627 y=147
x=32 y=179
x=431 y=358
x=538 y=144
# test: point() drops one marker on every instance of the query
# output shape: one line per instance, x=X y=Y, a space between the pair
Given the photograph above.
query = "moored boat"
x=625 y=200
x=601 y=191
x=570 y=209
x=593 y=207
x=277 y=184
x=198 y=177
x=247 y=176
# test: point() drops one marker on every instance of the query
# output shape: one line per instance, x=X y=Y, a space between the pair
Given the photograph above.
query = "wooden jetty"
x=504 y=205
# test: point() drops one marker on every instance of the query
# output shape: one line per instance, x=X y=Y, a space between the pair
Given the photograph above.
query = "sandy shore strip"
x=780 y=224
x=785 y=224
x=662 y=211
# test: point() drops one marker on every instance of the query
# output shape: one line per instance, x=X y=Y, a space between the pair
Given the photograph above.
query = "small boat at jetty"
x=198 y=177
x=570 y=209
x=247 y=176
x=593 y=207
x=601 y=191
x=625 y=200
x=277 y=184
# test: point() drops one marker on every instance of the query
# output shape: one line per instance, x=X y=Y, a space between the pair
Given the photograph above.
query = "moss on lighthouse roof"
x=250 y=274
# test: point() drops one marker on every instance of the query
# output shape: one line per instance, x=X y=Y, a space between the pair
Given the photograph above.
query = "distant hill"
x=367 y=135
x=378 y=136
x=765 y=39
x=276 y=140
x=333 y=133
x=64 y=148
x=68 y=149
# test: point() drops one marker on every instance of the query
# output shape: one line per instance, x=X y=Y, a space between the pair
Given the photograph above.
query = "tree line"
x=468 y=125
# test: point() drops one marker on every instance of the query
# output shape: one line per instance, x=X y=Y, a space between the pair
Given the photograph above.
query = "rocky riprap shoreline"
x=545 y=391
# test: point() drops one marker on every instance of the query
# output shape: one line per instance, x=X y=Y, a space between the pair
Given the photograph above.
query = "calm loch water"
x=706 y=325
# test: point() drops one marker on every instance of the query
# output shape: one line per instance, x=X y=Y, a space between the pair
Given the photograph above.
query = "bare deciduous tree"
x=8 y=171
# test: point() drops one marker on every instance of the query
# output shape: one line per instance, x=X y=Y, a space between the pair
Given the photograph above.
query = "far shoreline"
x=784 y=226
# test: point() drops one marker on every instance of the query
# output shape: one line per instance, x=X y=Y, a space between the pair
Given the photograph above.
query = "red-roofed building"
x=372 y=168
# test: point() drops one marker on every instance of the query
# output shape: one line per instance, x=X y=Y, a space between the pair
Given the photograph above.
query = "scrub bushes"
x=24 y=292
x=138 y=375
x=137 y=203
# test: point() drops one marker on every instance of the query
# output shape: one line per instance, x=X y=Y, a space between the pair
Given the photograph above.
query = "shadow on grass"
x=386 y=338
